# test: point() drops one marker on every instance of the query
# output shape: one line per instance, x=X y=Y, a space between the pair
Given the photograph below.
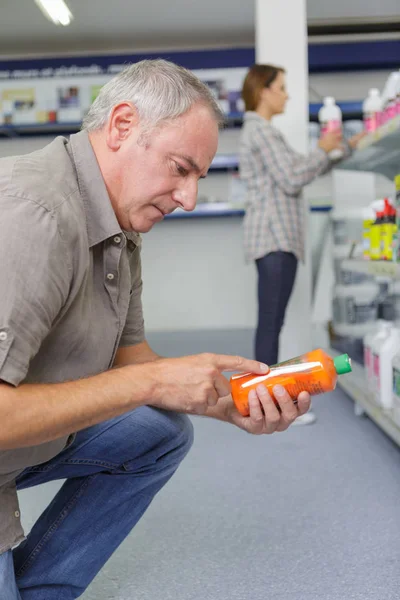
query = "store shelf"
x=208 y=209
x=379 y=268
x=378 y=152
x=12 y=131
x=355 y=385
x=224 y=162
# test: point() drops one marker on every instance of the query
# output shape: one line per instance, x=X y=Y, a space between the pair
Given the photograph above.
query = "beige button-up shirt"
x=70 y=286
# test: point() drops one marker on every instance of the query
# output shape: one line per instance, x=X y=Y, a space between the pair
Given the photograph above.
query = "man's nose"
x=186 y=195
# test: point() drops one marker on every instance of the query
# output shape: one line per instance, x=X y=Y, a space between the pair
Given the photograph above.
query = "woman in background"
x=274 y=175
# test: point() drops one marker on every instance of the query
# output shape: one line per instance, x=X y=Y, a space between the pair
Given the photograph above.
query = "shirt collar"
x=101 y=221
x=251 y=115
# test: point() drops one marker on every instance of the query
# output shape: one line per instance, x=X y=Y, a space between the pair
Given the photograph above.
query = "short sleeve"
x=133 y=332
x=34 y=282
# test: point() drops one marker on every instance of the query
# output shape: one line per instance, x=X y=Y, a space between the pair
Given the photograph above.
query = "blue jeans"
x=276 y=275
x=113 y=471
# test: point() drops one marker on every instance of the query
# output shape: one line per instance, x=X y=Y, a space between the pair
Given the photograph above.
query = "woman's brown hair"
x=258 y=77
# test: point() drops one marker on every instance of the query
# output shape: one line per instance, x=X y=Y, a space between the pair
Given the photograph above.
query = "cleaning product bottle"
x=367 y=347
x=372 y=108
x=366 y=238
x=389 y=96
x=376 y=345
x=375 y=236
x=396 y=388
x=315 y=372
x=388 y=227
x=396 y=239
x=389 y=348
x=330 y=118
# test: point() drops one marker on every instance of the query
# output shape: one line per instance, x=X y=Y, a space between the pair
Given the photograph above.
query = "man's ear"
x=121 y=123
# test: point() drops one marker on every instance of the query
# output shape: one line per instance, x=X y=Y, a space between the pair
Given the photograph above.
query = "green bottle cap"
x=342 y=364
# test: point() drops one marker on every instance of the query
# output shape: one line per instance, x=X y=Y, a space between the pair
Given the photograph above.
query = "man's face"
x=159 y=171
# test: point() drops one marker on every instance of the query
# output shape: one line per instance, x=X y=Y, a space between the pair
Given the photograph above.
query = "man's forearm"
x=135 y=355
x=32 y=414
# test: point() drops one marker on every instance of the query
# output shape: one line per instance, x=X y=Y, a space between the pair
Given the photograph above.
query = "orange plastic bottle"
x=315 y=372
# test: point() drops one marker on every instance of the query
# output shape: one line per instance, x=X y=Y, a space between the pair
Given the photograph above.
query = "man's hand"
x=265 y=416
x=193 y=384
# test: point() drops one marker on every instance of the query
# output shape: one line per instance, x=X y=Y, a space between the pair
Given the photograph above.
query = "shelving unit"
x=379 y=268
x=355 y=385
x=378 y=152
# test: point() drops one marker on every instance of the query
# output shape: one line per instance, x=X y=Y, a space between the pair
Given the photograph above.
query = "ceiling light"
x=56 y=11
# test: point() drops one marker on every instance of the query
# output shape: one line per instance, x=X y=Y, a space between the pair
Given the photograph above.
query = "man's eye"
x=181 y=170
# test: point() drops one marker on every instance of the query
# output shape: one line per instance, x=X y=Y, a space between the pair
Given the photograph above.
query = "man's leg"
x=113 y=471
x=8 y=586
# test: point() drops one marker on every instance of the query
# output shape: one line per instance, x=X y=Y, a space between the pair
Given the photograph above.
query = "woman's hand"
x=331 y=141
x=353 y=141
x=265 y=416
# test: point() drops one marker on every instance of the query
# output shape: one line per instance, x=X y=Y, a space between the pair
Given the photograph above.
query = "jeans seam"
x=53 y=527
x=89 y=461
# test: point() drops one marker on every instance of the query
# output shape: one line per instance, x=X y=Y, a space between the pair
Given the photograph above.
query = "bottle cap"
x=342 y=364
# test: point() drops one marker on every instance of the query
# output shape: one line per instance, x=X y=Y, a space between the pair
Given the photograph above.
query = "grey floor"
x=310 y=514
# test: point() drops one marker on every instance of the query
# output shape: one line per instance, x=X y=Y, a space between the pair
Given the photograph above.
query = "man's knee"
x=165 y=439
x=179 y=430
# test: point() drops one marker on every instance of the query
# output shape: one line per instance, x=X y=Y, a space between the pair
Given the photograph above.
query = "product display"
x=382 y=356
x=396 y=389
x=372 y=110
x=315 y=372
x=330 y=118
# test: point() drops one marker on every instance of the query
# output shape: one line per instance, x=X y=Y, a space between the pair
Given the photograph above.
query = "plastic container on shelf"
x=375 y=236
x=366 y=235
x=355 y=304
x=388 y=231
x=383 y=382
x=367 y=350
x=396 y=388
x=372 y=109
x=376 y=345
x=389 y=96
x=330 y=119
x=390 y=306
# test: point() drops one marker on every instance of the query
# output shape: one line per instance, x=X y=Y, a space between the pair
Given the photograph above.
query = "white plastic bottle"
x=372 y=108
x=389 y=348
x=389 y=96
x=330 y=118
x=367 y=344
x=398 y=94
x=396 y=388
x=376 y=345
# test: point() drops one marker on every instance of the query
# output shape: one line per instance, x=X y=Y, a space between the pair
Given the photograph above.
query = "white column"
x=281 y=40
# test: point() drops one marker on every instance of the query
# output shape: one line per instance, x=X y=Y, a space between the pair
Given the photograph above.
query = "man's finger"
x=222 y=386
x=225 y=362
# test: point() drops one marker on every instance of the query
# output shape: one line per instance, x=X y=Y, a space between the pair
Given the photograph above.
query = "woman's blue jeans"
x=113 y=471
x=276 y=276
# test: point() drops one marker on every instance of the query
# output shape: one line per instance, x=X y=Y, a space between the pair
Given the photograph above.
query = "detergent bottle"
x=314 y=372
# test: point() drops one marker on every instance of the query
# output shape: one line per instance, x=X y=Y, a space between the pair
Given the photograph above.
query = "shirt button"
x=3 y=336
x=110 y=276
x=117 y=239
x=17 y=514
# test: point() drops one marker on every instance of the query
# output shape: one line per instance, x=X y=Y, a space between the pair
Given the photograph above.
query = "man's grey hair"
x=160 y=91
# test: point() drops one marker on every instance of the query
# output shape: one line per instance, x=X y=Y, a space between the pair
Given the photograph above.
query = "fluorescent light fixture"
x=56 y=11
